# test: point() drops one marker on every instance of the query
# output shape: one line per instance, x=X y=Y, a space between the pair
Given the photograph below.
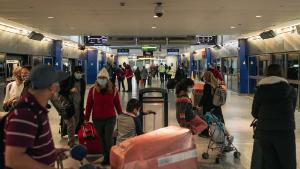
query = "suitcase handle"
x=90 y=129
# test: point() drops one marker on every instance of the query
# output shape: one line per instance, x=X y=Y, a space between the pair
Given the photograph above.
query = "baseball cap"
x=42 y=76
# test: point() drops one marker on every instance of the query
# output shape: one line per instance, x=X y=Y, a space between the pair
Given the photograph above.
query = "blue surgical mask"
x=102 y=82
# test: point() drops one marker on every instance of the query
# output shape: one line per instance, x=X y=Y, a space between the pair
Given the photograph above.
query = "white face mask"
x=102 y=82
x=57 y=91
x=77 y=76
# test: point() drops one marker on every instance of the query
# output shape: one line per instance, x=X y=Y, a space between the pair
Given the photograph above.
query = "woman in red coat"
x=103 y=103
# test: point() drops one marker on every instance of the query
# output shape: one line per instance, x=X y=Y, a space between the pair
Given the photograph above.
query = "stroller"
x=218 y=139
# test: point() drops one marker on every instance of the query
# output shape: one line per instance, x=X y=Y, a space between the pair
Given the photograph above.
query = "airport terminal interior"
x=240 y=39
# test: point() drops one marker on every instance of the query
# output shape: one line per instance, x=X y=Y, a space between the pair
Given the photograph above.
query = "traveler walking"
x=103 y=102
x=144 y=76
x=129 y=75
x=137 y=74
x=121 y=76
x=162 y=72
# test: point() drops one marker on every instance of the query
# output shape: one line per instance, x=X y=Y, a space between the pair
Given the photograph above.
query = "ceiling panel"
x=181 y=17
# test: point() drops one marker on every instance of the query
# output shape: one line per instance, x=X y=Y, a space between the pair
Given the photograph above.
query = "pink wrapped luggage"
x=166 y=148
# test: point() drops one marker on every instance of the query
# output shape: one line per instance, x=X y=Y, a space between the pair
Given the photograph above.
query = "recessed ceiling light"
x=258 y=16
x=50 y=17
x=232 y=27
x=155 y=16
x=153 y=27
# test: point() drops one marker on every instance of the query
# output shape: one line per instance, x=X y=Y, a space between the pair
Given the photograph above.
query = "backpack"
x=20 y=105
x=219 y=97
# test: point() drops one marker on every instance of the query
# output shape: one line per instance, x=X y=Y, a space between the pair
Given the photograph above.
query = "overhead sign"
x=207 y=40
x=95 y=40
x=172 y=52
x=123 y=52
x=148 y=53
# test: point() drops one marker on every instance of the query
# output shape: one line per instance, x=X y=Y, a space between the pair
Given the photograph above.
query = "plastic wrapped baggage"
x=171 y=147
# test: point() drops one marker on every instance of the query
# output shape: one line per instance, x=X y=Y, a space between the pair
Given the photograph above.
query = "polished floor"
x=237 y=116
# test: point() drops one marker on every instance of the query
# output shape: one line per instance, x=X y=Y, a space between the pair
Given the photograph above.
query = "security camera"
x=159 y=10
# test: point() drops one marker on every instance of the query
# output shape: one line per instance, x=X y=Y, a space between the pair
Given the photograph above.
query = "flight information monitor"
x=95 y=40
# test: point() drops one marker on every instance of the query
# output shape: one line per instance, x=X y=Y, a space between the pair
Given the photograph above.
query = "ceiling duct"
x=267 y=34
x=36 y=36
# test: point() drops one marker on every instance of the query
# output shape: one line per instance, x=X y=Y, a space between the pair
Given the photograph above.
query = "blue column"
x=244 y=77
x=56 y=54
x=92 y=66
x=178 y=60
x=208 y=56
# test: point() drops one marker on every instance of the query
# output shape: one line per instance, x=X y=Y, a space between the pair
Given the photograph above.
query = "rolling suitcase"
x=171 y=84
x=88 y=136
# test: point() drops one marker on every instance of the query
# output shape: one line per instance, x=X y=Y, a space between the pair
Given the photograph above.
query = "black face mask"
x=19 y=78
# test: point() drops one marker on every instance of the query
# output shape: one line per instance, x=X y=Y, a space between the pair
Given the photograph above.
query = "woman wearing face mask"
x=75 y=91
x=103 y=103
x=25 y=77
x=13 y=90
x=184 y=106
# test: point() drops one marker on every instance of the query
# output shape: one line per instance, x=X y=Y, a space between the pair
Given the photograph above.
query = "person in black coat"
x=273 y=106
x=74 y=89
x=179 y=75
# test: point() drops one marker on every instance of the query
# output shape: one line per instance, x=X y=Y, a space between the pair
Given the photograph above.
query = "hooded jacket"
x=274 y=105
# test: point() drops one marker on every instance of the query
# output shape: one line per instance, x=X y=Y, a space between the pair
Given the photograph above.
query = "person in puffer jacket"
x=274 y=106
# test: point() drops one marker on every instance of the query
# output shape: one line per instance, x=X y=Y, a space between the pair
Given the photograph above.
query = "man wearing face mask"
x=74 y=90
x=28 y=139
x=103 y=103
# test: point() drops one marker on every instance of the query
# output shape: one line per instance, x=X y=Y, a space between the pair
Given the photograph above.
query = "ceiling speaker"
x=267 y=34
x=36 y=36
x=298 y=29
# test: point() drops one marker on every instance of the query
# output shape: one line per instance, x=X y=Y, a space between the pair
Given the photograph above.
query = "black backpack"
x=20 y=105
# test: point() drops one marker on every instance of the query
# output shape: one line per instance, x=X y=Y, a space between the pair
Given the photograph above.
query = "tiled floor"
x=237 y=116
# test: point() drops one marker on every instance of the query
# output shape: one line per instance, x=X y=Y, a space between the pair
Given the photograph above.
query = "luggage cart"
x=161 y=96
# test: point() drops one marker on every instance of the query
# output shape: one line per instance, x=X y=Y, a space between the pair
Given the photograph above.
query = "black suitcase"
x=171 y=84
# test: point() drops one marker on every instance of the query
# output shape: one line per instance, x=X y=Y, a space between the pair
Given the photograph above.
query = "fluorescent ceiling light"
x=50 y=17
x=232 y=27
x=153 y=27
x=258 y=16
x=155 y=16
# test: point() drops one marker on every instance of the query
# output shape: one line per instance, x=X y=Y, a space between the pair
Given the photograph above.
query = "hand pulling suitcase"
x=89 y=137
x=171 y=147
